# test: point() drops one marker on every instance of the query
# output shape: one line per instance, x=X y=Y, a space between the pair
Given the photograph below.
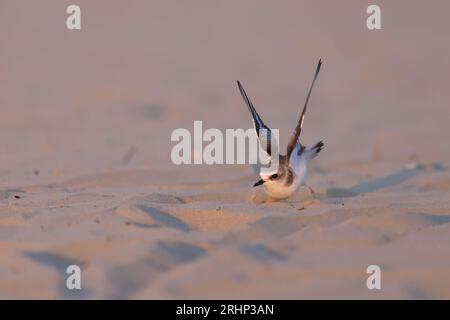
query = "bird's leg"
x=313 y=193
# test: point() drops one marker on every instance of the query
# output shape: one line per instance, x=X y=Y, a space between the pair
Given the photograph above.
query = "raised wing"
x=298 y=129
x=265 y=136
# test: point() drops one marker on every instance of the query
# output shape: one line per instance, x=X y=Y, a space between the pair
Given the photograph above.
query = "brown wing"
x=298 y=129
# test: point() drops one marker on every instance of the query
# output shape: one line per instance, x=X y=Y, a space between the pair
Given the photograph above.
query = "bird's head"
x=268 y=177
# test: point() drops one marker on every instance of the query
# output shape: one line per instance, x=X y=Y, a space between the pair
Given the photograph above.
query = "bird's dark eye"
x=274 y=176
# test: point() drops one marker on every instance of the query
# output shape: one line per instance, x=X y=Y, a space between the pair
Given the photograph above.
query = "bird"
x=291 y=170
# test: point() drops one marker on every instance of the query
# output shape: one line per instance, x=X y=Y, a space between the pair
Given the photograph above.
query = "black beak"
x=260 y=182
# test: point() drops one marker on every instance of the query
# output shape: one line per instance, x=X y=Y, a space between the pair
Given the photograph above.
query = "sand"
x=85 y=170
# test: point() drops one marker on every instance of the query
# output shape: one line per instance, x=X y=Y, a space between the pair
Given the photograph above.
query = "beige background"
x=74 y=103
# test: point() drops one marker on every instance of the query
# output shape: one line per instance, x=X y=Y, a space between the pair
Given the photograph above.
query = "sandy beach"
x=86 y=176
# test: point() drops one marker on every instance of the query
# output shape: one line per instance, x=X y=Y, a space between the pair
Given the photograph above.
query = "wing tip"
x=319 y=64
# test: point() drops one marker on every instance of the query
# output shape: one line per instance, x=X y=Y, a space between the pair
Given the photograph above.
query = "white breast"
x=278 y=190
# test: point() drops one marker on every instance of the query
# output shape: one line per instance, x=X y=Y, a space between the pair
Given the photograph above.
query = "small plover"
x=291 y=171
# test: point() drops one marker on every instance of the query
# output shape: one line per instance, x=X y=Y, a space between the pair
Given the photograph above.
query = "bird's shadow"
x=375 y=184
